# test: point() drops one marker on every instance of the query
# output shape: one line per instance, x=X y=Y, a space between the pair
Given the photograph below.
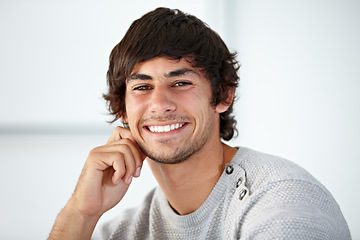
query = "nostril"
x=162 y=107
x=162 y=101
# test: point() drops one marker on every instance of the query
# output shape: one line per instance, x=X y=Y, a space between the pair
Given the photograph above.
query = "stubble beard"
x=181 y=153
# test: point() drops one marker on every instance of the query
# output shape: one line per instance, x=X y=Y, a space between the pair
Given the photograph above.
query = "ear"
x=123 y=117
x=224 y=105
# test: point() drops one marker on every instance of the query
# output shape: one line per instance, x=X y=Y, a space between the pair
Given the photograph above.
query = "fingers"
x=134 y=150
x=123 y=133
x=120 y=136
x=123 y=156
x=107 y=173
x=124 y=163
x=120 y=133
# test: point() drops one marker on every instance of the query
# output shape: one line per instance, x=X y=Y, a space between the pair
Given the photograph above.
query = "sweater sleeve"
x=293 y=209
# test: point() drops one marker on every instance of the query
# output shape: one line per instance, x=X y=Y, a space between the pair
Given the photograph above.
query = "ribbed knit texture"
x=258 y=196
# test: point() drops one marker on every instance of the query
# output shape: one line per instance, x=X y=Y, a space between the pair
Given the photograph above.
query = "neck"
x=187 y=185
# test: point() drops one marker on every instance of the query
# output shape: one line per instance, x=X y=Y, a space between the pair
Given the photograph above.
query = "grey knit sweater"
x=258 y=196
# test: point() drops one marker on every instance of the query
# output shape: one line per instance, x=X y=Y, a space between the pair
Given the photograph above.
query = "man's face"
x=168 y=109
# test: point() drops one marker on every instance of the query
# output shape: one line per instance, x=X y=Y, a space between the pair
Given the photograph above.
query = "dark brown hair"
x=174 y=34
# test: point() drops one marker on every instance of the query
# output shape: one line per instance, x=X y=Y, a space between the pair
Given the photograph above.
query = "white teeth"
x=166 y=128
x=160 y=129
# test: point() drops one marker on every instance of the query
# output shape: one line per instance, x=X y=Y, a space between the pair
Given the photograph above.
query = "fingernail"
x=138 y=171
x=130 y=179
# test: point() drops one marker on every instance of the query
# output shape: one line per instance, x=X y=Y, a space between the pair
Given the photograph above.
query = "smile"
x=165 y=128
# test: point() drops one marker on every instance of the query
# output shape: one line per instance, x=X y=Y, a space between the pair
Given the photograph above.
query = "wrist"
x=72 y=224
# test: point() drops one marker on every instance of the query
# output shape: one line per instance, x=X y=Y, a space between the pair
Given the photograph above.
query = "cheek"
x=133 y=109
x=204 y=112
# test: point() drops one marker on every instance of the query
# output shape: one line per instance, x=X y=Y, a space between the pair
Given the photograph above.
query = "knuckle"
x=118 y=155
x=95 y=150
x=131 y=167
x=123 y=146
x=121 y=171
x=92 y=154
x=124 y=140
x=128 y=141
x=118 y=129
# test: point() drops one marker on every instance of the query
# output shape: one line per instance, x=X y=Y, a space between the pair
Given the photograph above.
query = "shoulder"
x=263 y=169
x=284 y=197
x=278 y=179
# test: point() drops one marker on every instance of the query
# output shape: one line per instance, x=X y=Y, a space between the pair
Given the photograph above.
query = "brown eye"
x=181 y=83
x=142 y=88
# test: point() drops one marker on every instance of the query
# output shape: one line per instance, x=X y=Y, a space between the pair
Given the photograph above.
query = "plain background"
x=298 y=97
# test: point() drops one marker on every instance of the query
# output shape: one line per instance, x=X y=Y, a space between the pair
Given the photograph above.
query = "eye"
x=141 y=88
x=182 y=83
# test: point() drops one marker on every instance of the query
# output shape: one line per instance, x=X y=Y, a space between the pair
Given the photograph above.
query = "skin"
x=153 y=93
x=162 y=93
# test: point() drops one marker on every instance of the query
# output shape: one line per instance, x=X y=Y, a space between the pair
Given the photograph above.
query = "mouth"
x=164 y=128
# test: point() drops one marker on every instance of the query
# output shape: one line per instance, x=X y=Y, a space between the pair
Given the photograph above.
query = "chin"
x=178 y=156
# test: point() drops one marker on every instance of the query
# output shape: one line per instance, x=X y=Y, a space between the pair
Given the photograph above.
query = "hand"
x=107 y=174
x=104 y=180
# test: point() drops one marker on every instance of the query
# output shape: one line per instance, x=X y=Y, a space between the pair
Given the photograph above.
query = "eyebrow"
x=181 y=72
x=139 y=76
x=175 y=73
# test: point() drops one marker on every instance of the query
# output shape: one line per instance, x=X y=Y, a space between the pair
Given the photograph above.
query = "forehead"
x=164 y=67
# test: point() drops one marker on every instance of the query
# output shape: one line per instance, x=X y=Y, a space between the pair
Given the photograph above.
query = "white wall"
x=297 y=98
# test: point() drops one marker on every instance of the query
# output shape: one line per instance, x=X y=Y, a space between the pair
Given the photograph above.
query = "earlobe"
x=122 y=117
x=223 y=106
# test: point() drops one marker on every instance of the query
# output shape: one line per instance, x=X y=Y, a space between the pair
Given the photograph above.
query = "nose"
x=161 y=101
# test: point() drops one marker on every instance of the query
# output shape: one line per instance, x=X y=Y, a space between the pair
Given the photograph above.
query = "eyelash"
x=181 y=83
x=148 y=87
x=142 y=88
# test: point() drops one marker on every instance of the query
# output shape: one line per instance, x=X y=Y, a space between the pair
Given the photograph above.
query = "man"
x=172 y=82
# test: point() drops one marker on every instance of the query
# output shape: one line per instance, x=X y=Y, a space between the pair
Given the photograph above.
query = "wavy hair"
x=174 y=34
